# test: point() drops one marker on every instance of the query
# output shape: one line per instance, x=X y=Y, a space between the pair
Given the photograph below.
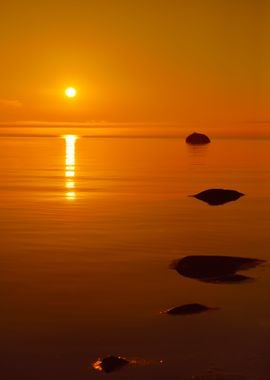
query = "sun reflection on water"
x=70 y=166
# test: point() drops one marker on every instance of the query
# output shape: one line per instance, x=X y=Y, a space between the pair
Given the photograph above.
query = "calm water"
x=88 y=230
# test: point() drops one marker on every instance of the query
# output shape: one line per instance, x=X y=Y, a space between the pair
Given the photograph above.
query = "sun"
x=71 y=92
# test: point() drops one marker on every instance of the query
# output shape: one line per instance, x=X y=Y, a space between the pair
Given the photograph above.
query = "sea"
x=89 y=228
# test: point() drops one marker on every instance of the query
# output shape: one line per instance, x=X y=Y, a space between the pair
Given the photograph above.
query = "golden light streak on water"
x=70 y=162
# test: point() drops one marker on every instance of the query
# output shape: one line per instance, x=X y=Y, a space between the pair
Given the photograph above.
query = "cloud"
x=10 y=104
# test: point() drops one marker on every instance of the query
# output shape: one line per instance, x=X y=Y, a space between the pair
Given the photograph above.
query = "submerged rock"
x=197 y=139
x=216 y=197
x=110 y=364
x=191 y=308
x=215 y=269
x=113 y=363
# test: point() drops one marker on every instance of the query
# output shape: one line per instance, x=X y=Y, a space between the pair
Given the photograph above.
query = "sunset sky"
x=143 y=61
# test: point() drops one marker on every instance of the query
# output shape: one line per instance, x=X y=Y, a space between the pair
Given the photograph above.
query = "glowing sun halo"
x=71 y=92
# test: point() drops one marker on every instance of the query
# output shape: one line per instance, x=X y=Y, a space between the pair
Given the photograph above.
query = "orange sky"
x=144 y=61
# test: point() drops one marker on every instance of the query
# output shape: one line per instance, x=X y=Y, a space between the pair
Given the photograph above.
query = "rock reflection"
x=216 y=197
x=189 y=309
x=215 y=269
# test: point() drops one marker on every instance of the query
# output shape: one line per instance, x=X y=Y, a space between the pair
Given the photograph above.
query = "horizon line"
x=104 y=123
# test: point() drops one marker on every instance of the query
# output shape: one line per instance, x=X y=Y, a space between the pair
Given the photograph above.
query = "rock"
x=192 y=308
x=197 y=139
x=110 y=364
x=216 y=197
x=215 y=269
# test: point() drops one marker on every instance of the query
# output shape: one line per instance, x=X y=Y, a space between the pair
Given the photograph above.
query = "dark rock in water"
x=216 y=197
x=110 y=364
x=215 y=269
x=197 y=139
x=191 y=308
